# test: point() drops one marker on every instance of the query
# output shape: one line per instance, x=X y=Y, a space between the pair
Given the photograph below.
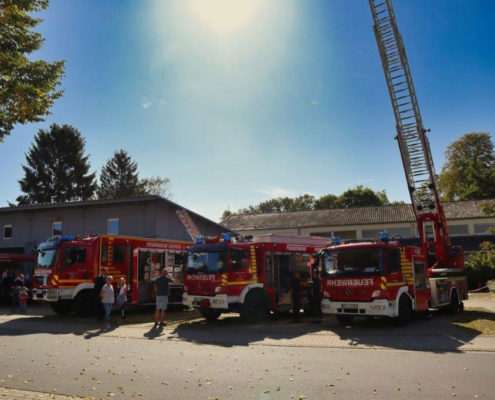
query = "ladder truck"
x=384 y=278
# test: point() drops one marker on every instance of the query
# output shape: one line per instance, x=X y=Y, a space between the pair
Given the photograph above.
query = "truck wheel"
x=62 y=307
x=345 y=320
x=209 y=314
x=85 y=304
x=256 y=307
x=405 y=311
x=454 y=306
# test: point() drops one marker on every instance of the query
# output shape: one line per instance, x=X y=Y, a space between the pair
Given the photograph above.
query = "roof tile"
x=349 y=216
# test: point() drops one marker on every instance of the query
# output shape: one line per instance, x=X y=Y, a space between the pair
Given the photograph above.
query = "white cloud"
x=146 y=103
x=314 y=102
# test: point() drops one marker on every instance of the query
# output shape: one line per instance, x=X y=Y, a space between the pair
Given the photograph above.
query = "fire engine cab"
x=385 y=279
x=252 y=278
x=67 y=267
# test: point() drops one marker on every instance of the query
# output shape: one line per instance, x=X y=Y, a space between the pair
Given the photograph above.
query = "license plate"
x=350 y=306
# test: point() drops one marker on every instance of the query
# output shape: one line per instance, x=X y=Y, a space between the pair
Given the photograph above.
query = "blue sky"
x=238 y=102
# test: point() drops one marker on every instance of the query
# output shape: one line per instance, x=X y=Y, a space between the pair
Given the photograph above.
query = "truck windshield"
x=353 y=262
x=47 y=258
x=210 y=262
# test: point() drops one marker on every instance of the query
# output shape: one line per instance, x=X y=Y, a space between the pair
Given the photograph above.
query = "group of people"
x=313 y=287
x=14 y=291
x=106 y=297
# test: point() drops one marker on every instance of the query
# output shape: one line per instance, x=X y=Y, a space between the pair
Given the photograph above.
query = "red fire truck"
x=68 y=265
x=383 y=278
x=252 y=278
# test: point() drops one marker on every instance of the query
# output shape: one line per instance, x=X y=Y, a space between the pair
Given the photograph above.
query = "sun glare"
x=225 y=16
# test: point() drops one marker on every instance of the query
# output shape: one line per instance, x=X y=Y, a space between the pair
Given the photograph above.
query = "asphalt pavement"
x=43 y=354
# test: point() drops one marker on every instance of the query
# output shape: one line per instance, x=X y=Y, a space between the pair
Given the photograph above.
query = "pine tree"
x=28 y=87
x=56 y=170
x=119 y=179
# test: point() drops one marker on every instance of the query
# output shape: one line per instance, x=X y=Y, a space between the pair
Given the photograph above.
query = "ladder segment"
x=413 y=143
x=411 y=135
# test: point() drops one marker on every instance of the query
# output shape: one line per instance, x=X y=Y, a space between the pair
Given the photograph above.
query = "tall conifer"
x=119 y=178
x=57 y=169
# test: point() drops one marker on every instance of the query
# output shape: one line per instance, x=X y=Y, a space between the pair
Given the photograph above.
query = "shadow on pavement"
x=443 y=332
x=154 y=332
x=230 y=331
x=43 y=320
x=438 y=334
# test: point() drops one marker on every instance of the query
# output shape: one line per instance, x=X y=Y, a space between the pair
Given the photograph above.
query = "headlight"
x=218 y=289
x=376 y=293
x=326 y=294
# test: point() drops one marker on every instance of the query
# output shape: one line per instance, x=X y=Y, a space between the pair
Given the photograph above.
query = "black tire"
x=405 y=311
x=62 y=307
x=85 y=304
x=455 y=305
x=256 y=307
x=345 y=320
x=209 y=314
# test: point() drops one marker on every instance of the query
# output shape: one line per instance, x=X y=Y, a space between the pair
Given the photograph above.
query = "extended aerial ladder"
x=413 y=142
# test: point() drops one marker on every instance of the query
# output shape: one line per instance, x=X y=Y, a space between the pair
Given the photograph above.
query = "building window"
x=481 y=229
x=345 y=235
x=56 y=228
x=322 y=234
x=113 y=226
x=372 y=233
x=458 y=230
x=7 y=231
x=396 y=232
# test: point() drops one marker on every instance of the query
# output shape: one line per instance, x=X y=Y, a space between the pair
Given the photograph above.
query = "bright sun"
x=225 y=16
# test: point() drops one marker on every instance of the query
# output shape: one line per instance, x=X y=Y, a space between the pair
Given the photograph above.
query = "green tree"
x=281 y=204
x=226 y=214
x=361 y=196
x=27 y=88
x=480 y=266
x=157 y=186
x=326 y=202
x=119 y=178
x=56 y=170
x=469 y=169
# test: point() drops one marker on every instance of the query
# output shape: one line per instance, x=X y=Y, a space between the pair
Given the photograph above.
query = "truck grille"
x=39 y=280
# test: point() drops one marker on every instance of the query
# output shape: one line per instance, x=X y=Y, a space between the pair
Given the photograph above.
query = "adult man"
x=296 y=285
x=316 y=296
x=162 y=291
x=99 y=283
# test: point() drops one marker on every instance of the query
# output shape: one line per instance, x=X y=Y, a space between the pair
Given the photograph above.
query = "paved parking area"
x=438 y=334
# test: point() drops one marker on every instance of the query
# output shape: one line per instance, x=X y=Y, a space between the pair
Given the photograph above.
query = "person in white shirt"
x=107 y=299
x=122 y=297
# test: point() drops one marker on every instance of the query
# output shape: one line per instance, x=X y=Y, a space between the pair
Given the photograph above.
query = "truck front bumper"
x=375 y=308
x=219 y=301
x=45 y=294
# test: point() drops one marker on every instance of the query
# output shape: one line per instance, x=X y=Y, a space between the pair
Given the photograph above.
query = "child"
x=23 y=297
x=122 y=297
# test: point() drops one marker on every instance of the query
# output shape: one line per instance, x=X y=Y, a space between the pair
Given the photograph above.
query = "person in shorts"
x=162 y=290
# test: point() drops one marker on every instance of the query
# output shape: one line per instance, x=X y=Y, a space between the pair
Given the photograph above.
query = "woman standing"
x=122 y=297
x=107 y=299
